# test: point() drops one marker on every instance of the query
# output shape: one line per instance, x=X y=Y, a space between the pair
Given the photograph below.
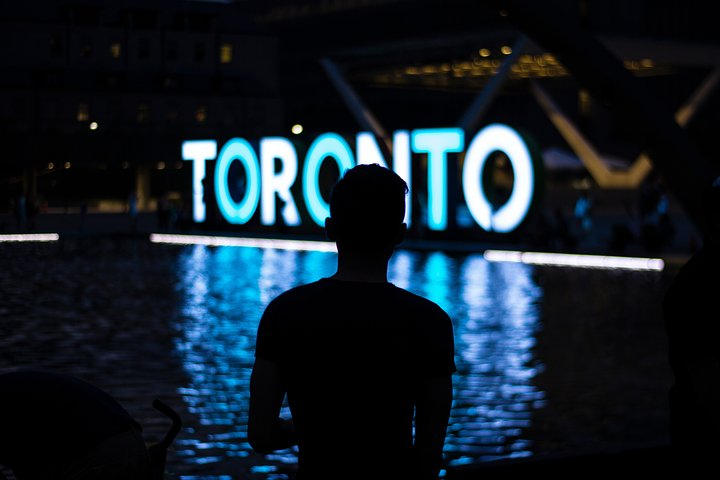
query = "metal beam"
x=676 y=157
x=636 y=173
x=362 y=114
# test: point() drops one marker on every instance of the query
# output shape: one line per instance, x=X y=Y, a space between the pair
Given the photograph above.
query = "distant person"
x=132 y=210
x=583 y=213
x=21 y=212
x=58 y=427
x=693 y=327
x=33 y=209
x=357 y=356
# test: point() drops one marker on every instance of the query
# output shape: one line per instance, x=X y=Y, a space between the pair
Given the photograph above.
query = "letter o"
x=498 y=137
x=237 y=212
x=326 y=145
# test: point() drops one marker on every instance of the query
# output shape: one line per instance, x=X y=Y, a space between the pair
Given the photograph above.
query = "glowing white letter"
x=198 y=151
x=367 y=150
x=498 y=137
x=280 y=183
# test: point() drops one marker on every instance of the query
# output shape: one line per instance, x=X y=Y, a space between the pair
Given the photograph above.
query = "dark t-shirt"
x=48 y=418
x=351 y=356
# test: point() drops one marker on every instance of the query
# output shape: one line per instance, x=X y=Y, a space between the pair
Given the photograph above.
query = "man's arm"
x=266 y=430
x=432 y=413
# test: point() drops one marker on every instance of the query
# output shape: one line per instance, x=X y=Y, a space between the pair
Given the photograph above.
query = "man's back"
x=352 y=356
x=358 y=358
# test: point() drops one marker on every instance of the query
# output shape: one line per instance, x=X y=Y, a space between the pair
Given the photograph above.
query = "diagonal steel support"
x=553 y=26
x=687 y=111
x=636 y=173
x=362 y=114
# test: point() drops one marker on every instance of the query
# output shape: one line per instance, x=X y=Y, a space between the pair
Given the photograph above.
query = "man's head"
x=367 y=208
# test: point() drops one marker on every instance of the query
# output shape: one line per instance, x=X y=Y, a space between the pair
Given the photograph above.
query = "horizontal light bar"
x=573 y=260
x=218 y=241
x=29 y=237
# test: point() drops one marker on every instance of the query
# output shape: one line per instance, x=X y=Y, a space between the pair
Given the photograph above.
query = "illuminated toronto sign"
x=264 y=183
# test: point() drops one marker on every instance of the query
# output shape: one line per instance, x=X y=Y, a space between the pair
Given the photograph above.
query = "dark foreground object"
x=157 y=452
x=647 y=461
x=57 y=426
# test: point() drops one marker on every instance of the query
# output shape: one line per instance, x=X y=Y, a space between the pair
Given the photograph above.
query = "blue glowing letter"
x=280 y=183
x=401 y=166
x=497 y=137
x=234 y=212
x=198 y=151
x=327 y=144
x=436 y=142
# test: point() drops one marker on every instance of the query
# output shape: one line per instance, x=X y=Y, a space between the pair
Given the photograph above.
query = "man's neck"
x=361 y=269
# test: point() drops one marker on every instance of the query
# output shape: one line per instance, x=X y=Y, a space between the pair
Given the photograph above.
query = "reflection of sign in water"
x=495 y=309
x=266 y=183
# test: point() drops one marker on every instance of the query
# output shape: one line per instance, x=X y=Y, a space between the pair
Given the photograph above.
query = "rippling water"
x=549 y=360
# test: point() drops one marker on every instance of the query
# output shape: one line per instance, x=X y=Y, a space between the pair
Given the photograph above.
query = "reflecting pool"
x=494 y=306
x=550 y=360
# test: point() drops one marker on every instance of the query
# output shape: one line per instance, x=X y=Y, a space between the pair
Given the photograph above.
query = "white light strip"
x=280 y=244
x=30 y=237
x=571 y=260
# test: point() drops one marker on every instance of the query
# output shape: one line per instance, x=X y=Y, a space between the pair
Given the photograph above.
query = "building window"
x=584 y=102
x=83 y=112
x=143 y=113
x=226 y=53
x=199 y=51
x=115 y=50
x=201 y=114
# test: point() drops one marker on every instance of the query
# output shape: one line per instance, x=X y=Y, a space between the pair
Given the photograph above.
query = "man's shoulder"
x=298 y=294
x=418 y=301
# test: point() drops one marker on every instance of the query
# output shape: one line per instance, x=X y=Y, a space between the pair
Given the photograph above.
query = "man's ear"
x=400 y=234
x=330 y=230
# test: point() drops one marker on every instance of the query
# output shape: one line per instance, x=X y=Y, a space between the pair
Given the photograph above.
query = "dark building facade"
x=96 y=97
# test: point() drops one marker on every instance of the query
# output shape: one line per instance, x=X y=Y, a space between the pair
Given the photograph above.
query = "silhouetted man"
x=358 y=357
x=693 y=327
x=59 y=427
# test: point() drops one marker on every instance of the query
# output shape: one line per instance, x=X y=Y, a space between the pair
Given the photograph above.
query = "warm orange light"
x=226 y=53
x=115 y=50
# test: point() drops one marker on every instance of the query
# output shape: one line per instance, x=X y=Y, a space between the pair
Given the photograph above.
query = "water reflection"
x=494 y=308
